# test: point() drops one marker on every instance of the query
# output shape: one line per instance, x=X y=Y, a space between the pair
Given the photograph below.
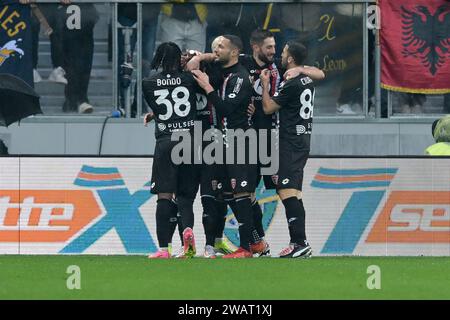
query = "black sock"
x=231 y=202
x=258 y=231
x=243 y=215
x=162 y=222
x=173 y=219
x=295 y=215
x=209 y=219
x=222 y=210
x=185 y=206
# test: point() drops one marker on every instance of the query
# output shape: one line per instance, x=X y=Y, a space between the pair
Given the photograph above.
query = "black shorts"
x=168 y=177
x=270 y=150
x=290 y=172
x=207 y=177
x=237 y=178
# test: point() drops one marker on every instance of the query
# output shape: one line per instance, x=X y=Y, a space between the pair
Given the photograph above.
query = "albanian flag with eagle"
x=415 y=46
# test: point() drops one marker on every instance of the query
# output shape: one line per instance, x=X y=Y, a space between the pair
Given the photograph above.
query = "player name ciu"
x=168 y=82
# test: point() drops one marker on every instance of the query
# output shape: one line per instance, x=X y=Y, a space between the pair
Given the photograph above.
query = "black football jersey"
x=206 y=113
x=232 y=98
x=261 y=120
x=296 y=99
x=173 y=99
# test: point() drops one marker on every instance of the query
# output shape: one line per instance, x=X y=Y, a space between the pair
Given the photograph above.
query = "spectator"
x=441 y=134
x=410 y=103
x=184 y=24
x=78 y=51
x=50 y=13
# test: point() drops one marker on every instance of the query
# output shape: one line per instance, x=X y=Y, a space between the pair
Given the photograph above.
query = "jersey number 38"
x=179 y=104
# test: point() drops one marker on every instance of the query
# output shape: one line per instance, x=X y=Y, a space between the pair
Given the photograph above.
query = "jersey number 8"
x=179 y=102
x=307 y=101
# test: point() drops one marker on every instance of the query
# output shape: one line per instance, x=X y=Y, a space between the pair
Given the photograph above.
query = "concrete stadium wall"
x=130 y=137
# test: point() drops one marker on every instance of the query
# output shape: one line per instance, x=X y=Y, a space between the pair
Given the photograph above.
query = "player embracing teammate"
x=171 y=94
x=294 y=102
x=263 y=58
x=255 y=80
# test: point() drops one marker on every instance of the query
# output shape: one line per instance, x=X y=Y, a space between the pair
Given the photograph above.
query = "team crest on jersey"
x=161 y=126
x=233 y=183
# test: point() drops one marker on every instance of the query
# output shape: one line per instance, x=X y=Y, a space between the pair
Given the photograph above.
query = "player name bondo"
x=168 y=82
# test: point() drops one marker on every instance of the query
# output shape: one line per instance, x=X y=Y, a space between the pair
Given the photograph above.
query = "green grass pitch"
x=136 y=277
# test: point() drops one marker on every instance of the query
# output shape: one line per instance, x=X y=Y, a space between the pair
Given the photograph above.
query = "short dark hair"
x=167 y=56
x=298 y=51
x=258 y=36
x=235 y=41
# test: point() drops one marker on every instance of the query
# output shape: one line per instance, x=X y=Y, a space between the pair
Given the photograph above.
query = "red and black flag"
x=415 y=46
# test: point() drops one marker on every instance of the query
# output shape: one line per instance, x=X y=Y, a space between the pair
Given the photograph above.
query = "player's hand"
x=265 y=77
x=251 y=109
x=202 y=80
x=187 y=56
x=148 y=118
x=312 y=72
x=293 y=72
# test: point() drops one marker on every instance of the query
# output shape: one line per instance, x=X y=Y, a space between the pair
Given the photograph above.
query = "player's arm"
x=314 y=73
x=147 y=92
x=269 y=106
x=194 y=63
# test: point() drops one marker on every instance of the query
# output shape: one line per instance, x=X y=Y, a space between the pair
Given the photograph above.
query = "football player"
x=294 y=102
x=171 y=94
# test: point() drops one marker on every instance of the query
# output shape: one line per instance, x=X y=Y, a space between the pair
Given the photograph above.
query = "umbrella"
x=17 y=100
